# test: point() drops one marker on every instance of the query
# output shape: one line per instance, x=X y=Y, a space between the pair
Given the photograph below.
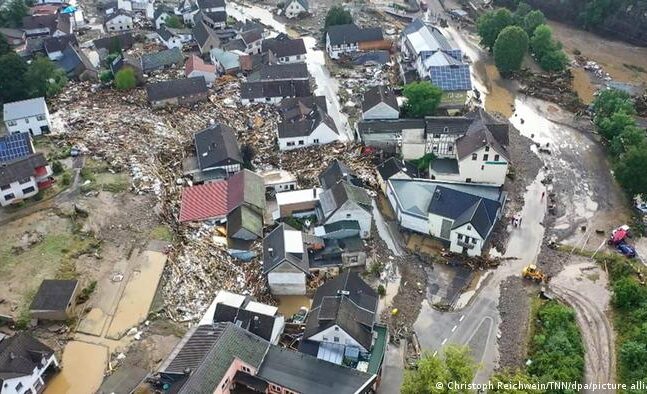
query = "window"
x=487 y=148
x=5 y=187
x=225 y=384
x=27 y=120
x=474 y=241
x=11 y=123
x=460 y=237
x=474 y=156
x=469 y=227
x=291 y=143
x=301 y=142
x=434 y=148
x=482 y=168
x=336 y=328
x=436 y=135
x=445 y=129
x=450 y=148
x=9 y=197
x=336 y=339
x=30 y=189
x=316 y=140
x=468 y=180
x=496 y=157
x=274 y=388
x=485 y=157
x=24 y=180
x=19 y=387
x=348 y=215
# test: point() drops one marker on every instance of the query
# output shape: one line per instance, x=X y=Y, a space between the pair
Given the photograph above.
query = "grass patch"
x=24 y=317
x=162 y=233
x=556 y=347
x=108 y=182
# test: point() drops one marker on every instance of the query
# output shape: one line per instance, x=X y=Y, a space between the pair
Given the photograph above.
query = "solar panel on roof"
x=15 y=146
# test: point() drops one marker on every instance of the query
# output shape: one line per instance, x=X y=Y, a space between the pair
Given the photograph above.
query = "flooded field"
x=83 y=367
x=582 y=85
x=138 y=294
x=289 y=305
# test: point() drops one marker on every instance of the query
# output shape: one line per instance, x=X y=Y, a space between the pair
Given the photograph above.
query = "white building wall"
x=320 y=136
x=33 y=382
x=466 y=230
x=294 y=9
x=173 y=42
x=120 y=23
x=484 y=171
x=435 y=225
x=264 y=100
x=31 y=124
x=351 y=211
x=335 y=51
x=17 y=189
x=287 y=283
x=414 y=223
x=413 y=151
x=343 y=338
x=381 y=111
x=208 y=77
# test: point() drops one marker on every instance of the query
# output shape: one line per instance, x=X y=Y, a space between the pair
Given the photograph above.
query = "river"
x=315 y=59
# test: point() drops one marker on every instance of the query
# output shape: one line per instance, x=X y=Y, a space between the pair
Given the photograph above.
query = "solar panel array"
x=15 y=146
x=452 y=78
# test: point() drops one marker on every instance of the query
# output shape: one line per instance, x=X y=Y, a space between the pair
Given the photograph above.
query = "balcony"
x=464 y=244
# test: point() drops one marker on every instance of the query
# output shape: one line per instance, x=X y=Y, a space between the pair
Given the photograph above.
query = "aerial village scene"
x=323 y=196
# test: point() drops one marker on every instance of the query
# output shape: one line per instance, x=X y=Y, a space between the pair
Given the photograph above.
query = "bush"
x=381 y=290
x=87 y=175
x=422 y=99
x=106 y=76
x=337 y=15
x=66 y=179
x=125 y=79
x=57 y=167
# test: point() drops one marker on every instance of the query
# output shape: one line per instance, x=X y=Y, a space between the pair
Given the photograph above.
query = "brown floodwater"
x=83 y=367
x=289 y=305
x=582 y=85
x=499 y=97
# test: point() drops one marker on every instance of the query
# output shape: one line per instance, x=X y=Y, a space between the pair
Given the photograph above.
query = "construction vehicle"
x=532 y=272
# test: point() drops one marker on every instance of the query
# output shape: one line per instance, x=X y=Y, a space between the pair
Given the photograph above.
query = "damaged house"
x=347 y=39
x=344 y=201
x=282 y=49
x=25 y=364
x=305 y=123
x=119 y=20
x=217 y=155
x=196 y=67
x=273 y=92
x=185 y=91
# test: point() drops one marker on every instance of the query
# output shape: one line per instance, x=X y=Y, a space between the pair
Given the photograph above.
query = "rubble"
x=556 y=88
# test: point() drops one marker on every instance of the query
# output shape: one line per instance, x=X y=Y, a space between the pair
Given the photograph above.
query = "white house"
x=350 y=38
x=285 y=261
x=119 y=20
x=27 y=116
x=33 y=355
x=344 y=201
x=315 y=128
x=380 y=103
x=174 y=38
x=23 y=178
x=294 y=8
x=283 y=50
x=273 y=92
x=160 y=15
x=463 y=216
x=279 y=180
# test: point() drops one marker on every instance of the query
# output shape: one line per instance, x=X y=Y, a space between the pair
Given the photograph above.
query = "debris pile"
x=556 y=88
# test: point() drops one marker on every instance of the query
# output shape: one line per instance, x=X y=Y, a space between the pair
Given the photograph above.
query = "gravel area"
x=514 y=306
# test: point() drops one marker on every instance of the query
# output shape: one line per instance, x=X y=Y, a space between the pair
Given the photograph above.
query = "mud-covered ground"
x=514 y=306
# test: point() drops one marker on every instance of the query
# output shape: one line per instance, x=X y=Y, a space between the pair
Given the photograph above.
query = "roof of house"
x=33 y=22
x=299 y=107
x=125 y=41
x=165 y=58
x=392 y=166
x=284 y=243
x=201 y=32
x=348 y=302
x=243 y=311
x=21 y=168
x=351 y=33
x=54 y=295
x=216 y=199
x=250 y=36
x=20 y=354
x=64 y=23
x=245 y=218
x=422 y=37
x=208 y=352
x=24 y=108
x=217 y=145
x=211 y=4
x=161 y=10
x=217 y=16
x=118 y=12
x=283 y=71
x=262 y=89
x=335 y=172
x=304 y=373
x=164 y=33
x=235 y=45
x=15 y=146
x=176 y=88
x=57 y=44
x=74 y=62
x=304 y=3
x=284 y=46
x=228 y=60
x=195 y=63
x=478 y=136
x=305 y=125
x=12 y=34
x=445 y=166
x=372 y=57
x=447 y=124
x=499 y=129
x=387 y=126
x=379 y=94
x=332 y=199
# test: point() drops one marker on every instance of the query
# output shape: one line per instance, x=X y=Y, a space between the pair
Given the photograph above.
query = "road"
x=476 y=325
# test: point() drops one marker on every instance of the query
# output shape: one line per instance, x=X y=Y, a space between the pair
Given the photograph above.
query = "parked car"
x=619 y=235
x=641 y=207
x=626 y=250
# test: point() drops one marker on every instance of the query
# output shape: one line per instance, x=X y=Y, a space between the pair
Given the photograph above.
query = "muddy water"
x=499 y=97
x=138 y=294
x=582 y=85
x=289 y=305
x=82 y=372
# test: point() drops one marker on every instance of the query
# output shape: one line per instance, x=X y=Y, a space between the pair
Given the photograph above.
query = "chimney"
x=271 y=251
x=12 y=355
x=314 y=192
x=437 y=194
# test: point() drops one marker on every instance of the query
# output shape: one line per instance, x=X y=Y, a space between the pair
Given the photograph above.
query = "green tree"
x=628 y=294
x=611 y=101
x=594 y=12
x=106 y=76
x=522 y=10
x=45 y=78
x=634 y=354
x=422 y=98
x=337 y=15
x=174 y=22
x=490 y=24
x=12 y=78
x=4 y=45
x=630 y=173
x=423 y=163
x=509 y=49
x=13 y=13
x=542 y=41
x=630 y=136
x=456 y=365
x=504 y=383
x=555 y=60
x=532 y=20
x=615 y=124
x=125 y=79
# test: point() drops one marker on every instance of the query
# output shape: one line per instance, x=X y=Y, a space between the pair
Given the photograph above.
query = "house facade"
x=119 y=21
x=344 y=201
x=284 y=50
x=347 y=39
x=23 y=178
x=272 y=92
x=380 y=103
x=295 y=8
x=299 y=135
x=27 y=116
x=285 y=261
x=34 y=355
x=185 y=91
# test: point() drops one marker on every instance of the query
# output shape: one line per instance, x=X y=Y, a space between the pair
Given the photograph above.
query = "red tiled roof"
x=195 y=63
x=212 y=200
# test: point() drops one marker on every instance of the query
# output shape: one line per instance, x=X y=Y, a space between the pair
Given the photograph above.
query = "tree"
x=456 y=365
x=630 y=136
x=4 y=45
x=634 y=354
x=610 y=101
x=12 y=78
x=337 y=15
x=423 y=163
x=542 y=41
x=594 y=12
x=523 y=9
x=532 y=20
x=422 y=99
x=628 y=294
x=555 y=60
x=509 y=49
x=504 y=383
x=13 y=13
x=174 y=22
x=125 y=79
x=490 y=24
x=45 y=78
x=630 y=173
x=615 y=124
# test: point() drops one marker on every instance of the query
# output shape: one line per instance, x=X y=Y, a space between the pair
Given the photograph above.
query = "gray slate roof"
x=125 y=41
x=56 y=44
x=283 y=46
x=351 y=33
x=304 y=373
x=298 y=107
x=262 y=89
x=379 y=94
x=24 y=108
x=304 y=126
x=20 y=354
x=217 y=146
x=392 y=166
x=284 y=71
x=478 y=136
x=275 y=240
x=211 y=3
x=54 y=295
x=256 y=323
x=176 y=88
x=388 y=126
x=161 y=59
x=334 y=198
x=21 y=168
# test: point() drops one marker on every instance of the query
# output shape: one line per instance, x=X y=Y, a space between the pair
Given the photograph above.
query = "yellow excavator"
x=532 y=272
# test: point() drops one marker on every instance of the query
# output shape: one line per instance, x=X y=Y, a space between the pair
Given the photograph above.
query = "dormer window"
x=487 y=148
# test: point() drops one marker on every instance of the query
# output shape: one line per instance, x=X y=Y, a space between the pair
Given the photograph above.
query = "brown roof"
x=21 y=168
x=194 y=63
